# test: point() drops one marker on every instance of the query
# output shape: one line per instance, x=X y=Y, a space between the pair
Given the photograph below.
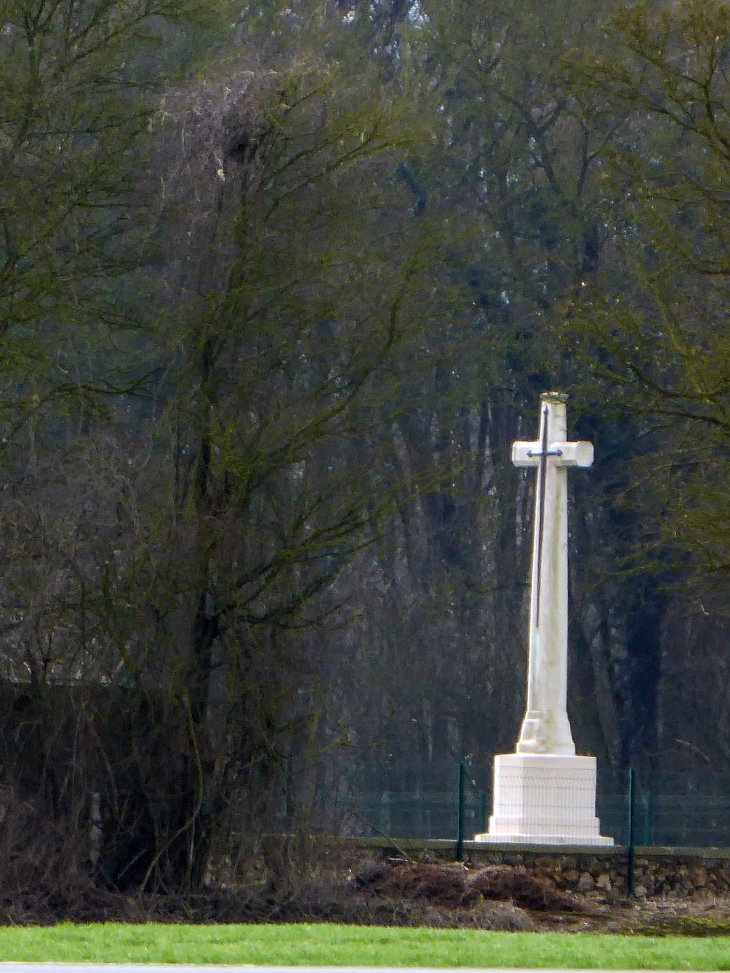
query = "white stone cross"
x=545 y=729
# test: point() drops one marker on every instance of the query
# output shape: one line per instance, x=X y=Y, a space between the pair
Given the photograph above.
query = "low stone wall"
x=656 y=871
x=681 y=872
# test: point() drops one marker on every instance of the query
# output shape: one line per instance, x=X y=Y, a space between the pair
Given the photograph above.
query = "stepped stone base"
x=543 y=799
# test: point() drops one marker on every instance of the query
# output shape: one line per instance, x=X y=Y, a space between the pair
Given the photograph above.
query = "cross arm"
x=574 y=454
x=568 y=454
x=526 y=454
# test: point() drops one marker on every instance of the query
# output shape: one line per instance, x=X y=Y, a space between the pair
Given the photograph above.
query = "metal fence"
x=687 y=810
x=670 y=810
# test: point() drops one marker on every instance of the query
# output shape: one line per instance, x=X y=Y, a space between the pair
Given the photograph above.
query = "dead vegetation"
x=320 y=886
x=455 y=886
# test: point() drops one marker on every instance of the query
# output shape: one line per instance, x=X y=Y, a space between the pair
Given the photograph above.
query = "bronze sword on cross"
x=542 y=470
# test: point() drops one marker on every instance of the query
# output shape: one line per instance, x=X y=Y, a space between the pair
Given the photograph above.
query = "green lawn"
x=356 y=945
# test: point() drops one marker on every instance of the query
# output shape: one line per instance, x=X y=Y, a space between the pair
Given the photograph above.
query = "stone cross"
x=545 y=729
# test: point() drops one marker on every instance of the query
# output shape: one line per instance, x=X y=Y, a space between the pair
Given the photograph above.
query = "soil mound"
x=515 y=884
x=455 y=887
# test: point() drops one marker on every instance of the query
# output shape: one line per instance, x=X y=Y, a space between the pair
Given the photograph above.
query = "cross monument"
x=544 y=793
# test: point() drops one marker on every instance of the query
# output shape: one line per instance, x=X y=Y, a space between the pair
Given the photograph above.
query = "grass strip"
x=326 y=945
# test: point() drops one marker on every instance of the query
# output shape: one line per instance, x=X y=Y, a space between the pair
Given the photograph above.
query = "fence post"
x=460 y=813
x=630 y=835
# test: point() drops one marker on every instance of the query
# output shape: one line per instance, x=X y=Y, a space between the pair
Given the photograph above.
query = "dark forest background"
x=279 y=286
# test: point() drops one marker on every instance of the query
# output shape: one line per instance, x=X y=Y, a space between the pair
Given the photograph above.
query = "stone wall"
x=654 y=873
x=681 y=872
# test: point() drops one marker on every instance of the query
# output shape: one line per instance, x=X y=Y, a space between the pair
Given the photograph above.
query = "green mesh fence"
x=670 y=810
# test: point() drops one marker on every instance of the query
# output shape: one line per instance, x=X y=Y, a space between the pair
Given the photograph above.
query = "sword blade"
x=541 y=507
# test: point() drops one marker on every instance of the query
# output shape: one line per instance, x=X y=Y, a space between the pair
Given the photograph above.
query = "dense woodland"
x=279 y=286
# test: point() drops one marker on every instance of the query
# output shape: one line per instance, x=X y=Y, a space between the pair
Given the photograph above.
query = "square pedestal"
x=542 y=799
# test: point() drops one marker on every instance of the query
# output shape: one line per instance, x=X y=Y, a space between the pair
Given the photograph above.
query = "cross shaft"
x=545 y=728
